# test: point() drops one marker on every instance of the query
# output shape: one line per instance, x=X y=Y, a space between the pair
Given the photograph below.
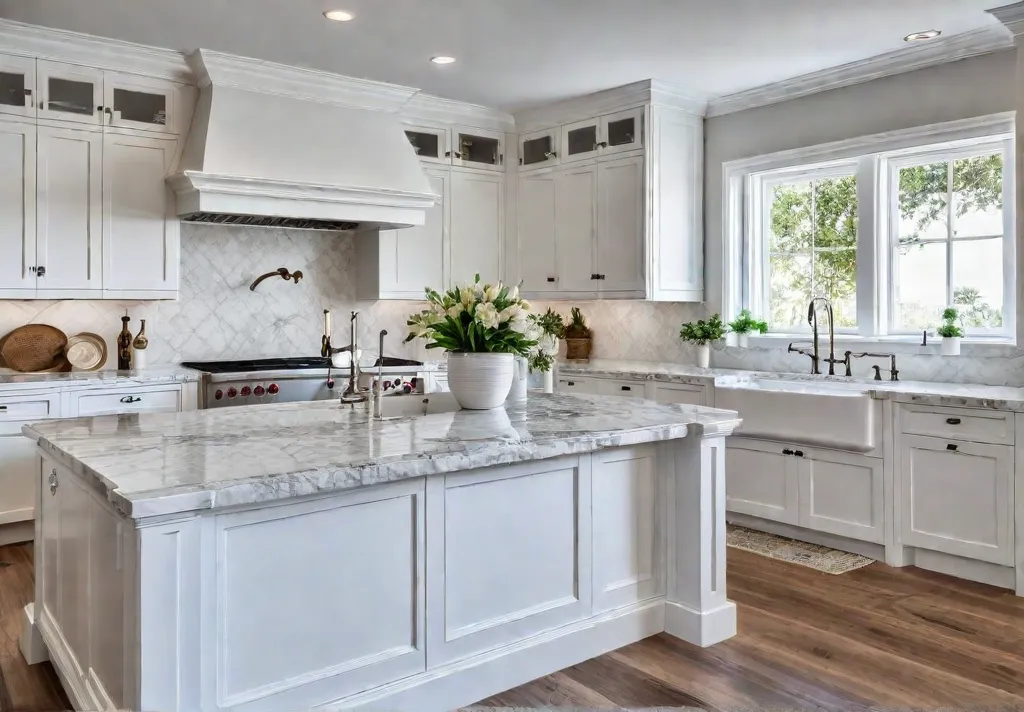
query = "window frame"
x=873 y=156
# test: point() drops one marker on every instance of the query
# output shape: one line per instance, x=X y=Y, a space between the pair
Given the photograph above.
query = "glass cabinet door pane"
x=537 y=150
x=583 y=140
x=70 y=96
x=426 y=145
x=622 y=132
x=479 y=149
x=143 y=107
x=12 y=89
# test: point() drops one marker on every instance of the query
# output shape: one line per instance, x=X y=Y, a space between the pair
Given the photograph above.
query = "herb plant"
x=950 y=329
x=702 y=332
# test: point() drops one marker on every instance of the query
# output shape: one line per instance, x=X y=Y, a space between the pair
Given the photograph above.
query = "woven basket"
x=36 y=347
x=578 y=349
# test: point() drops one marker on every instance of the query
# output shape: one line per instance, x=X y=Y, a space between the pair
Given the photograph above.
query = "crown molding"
x=985 y=40
x=257 y=75
x=427 y=108
x=609 y=101
x=1012 y=17
x=86 y=50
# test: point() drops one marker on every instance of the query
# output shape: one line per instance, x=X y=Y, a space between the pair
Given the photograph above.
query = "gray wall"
x=958 y=90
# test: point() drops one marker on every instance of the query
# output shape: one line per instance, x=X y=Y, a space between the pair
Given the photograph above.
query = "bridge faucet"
x=812 y=319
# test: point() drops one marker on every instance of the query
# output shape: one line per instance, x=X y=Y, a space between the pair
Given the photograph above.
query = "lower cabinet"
x=573 y=384
x=18 y=464
x=825 y=490
x=682 y=394
x=628 y=389
x=957 y=497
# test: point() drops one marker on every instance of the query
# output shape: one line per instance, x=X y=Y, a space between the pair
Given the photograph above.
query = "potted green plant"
x=483 y=328
x=743 y=325
x=951 y=332
x=542 y=357
x=578 y=338
x=701 y=334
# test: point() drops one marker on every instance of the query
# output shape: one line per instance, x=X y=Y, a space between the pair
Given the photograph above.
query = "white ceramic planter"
x=480 y=381
x=951 y=346
x=743 y=340
x=703 y=355
x=520 y=381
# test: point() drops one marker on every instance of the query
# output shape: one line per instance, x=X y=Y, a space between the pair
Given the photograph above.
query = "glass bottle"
x=124 y=346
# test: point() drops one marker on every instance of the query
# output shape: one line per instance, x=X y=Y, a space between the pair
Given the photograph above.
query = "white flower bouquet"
x=479 y=318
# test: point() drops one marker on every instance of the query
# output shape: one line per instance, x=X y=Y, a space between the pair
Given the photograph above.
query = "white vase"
x=951 y=346
x=549 y=380
x=703 y=355
x=520 y=381
x=743 y=340
x=480 y=381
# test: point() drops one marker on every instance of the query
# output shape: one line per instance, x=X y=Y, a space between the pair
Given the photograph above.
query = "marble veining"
x=162 y=463
x=920 y=392
x=14 y=380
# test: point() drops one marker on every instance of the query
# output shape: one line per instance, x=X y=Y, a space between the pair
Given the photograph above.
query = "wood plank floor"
x=876 y=637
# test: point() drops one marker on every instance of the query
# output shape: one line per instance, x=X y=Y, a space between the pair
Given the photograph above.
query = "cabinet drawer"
x=20 y=409
x=571 y=384
x=628 y=389
x=983 y=426
x=127 y=401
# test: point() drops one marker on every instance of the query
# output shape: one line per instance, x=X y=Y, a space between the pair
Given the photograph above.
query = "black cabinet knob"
x=953 y=421
x=951 y=447
x=787 y=451
x=627 y=388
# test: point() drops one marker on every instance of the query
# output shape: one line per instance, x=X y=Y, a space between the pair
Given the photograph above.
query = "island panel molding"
x=428 y=592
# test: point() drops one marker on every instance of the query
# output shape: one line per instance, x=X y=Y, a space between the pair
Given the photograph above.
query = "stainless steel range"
x=282 y=380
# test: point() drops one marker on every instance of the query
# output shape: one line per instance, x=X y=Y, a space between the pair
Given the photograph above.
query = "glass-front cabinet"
x=17 y=86
x=475 y=148
x=430 y=144
x=70 y=93
x=538 y=149
x=603 y=136
x=139 y=103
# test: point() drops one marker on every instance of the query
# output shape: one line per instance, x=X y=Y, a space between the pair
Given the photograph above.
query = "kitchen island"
x=306 y=555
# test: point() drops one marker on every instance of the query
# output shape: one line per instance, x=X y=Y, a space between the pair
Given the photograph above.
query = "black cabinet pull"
x=951 y=447
x=627 y=388
x=552 y=279
x=40 y=271
x=953 y=421
x=595 y=276
x=571 y=383
x=131 y=399
x=787 y=451
x=799 y=453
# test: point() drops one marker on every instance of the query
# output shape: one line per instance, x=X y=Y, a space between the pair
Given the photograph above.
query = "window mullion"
x=949 y=232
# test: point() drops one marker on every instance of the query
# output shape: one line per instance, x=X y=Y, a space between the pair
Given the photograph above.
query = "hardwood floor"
x=876 y=637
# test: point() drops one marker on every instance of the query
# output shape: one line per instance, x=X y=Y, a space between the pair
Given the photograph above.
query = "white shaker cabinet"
x=18 y=208
x=763 y=481
x=538 y=261
x=140 y=233
x=576 y=228
x=400 y=264
x=69 y=92
x=620 y=226
x=477 y=217
x=69 y=183
x=18 y=86
x=17 y=453
x=957 y=497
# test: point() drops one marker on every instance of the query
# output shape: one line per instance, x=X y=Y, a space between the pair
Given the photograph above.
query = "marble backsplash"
x=217 y=317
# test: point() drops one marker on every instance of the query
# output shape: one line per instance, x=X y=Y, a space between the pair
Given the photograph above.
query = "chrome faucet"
x=352 y=393
x=378 y=394
x=812 y=319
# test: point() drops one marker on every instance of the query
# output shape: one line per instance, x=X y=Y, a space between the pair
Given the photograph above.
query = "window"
x=891 y=237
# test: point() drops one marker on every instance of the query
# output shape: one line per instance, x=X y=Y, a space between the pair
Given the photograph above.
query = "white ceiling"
x=518 y=53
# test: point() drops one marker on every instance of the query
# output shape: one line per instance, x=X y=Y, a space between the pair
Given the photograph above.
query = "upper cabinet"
x=18 y=207
x=17 y=86
x=141 y=103
x=70 y=93
x=625 y=217
x=459 y=146
x=477 y=217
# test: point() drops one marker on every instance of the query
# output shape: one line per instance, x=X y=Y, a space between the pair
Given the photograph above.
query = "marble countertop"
x=164 y=463
x=921 y=392
x=15 y=380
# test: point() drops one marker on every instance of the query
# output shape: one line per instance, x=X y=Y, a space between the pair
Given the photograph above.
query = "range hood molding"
x=278 y=142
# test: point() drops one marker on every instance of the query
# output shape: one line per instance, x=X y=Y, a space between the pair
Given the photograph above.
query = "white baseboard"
x=67 y=668
x=970 y=569
x=33 y=649
x=467 y=681
x=17 y=532
x=703 y=629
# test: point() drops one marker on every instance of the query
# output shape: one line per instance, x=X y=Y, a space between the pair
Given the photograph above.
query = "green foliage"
x=550 y=322
x=746 y=323
x=949 y=328
x=551 y=328
x=479 y=318
x=701 y=332
x=813 y=237
x=577 y=328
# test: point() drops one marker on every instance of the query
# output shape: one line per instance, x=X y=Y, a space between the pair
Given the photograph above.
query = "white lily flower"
x=491 y=293
x=456 y=311
x=514 y=293
x=520 y=326
x=509 y=313
x=548 y=345
x=466 y=296
x=525 y=305
x=487 y=316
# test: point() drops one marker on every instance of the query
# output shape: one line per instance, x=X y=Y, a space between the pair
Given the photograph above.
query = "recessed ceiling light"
x=339 y=15
x=442 y=60
x=920 y=36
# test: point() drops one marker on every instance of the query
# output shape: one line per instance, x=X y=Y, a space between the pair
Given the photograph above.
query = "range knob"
x=273 y=389
x=232 y=392
x=330 y=383
x=259 y=391
x=218 y=395
x=246 y=391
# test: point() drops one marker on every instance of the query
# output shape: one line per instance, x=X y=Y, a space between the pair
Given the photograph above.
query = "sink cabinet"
x=824 y=490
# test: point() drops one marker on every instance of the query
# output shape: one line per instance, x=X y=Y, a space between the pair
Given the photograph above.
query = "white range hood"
x=282 y=146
